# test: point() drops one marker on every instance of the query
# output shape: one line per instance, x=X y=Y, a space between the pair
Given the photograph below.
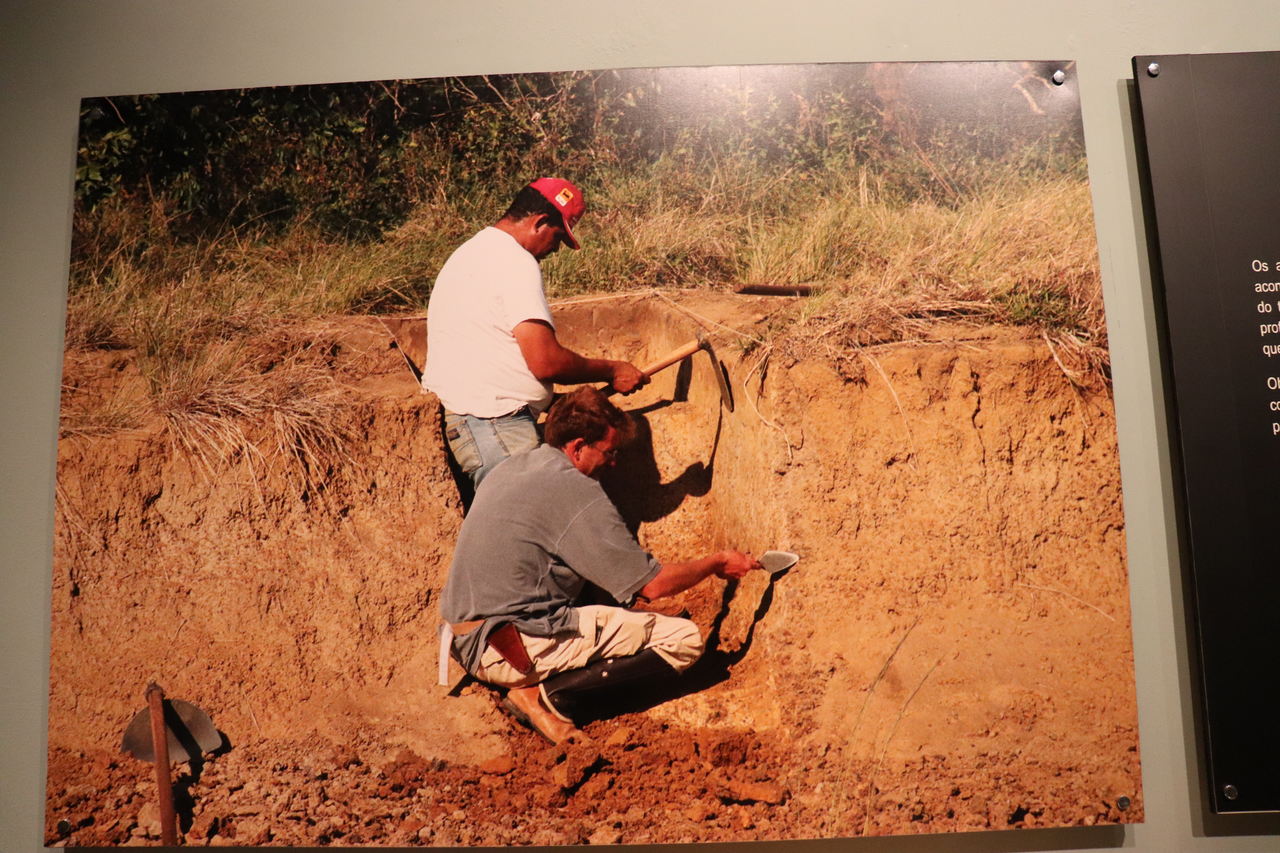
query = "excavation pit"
x=953 y=649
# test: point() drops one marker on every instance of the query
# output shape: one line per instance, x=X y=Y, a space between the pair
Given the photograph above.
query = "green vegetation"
x=205 y=220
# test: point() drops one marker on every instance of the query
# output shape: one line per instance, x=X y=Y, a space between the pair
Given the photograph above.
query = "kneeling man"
x=540 y=528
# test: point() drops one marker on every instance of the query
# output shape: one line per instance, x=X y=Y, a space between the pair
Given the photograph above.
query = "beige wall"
x=52 y=53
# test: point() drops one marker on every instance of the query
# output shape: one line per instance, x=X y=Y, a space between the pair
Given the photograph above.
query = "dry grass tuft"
x=239 y=402
x=89 y=415
x=201 y=320
x=1020 y=255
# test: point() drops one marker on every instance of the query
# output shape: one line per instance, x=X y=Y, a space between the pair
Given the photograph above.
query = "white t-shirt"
x=489 y=285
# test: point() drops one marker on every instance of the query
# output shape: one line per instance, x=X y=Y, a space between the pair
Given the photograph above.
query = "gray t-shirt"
x=537 y=531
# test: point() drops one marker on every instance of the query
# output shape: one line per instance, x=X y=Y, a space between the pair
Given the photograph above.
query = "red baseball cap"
x=568 y=198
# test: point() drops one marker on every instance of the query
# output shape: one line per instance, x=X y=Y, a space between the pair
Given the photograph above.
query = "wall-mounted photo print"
x=634 y=456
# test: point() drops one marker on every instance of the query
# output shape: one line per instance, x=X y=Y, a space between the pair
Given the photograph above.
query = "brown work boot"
x=525 y=704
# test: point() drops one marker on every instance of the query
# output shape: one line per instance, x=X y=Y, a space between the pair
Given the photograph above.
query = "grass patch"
x=201 y=315
x=238 y=401
x=1020 y=252
x=86 y=414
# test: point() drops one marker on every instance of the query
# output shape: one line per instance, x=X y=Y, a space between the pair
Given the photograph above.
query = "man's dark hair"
x=584 y=413
x=530 y=202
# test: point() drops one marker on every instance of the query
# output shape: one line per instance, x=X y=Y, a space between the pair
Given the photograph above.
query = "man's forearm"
x=677 y=577
x=568 y=368
x=551 y=362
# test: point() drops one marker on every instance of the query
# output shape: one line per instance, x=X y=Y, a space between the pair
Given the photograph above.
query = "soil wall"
x=952 y=651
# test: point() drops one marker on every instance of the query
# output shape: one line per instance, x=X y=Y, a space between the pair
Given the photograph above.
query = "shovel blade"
x=190 y=732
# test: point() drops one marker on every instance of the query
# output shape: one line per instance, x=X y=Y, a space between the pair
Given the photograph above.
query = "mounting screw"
x=64 y=827
x=1122 y=803
x=1059 y=77
x=1231 y=792
x=1153 y=70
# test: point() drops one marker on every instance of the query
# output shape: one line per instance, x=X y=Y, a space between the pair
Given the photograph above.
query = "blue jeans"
x=479 y=444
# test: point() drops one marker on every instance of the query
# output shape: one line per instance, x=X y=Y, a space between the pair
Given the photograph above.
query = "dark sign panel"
x=1212 y=134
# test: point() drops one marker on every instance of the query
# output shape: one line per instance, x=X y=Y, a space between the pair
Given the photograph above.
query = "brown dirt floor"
x=952 y=652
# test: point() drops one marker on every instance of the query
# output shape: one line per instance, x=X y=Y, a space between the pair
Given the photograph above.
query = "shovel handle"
x=678 y=354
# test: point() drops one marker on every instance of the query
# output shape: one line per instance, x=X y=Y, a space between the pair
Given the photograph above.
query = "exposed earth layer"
x=951 y=653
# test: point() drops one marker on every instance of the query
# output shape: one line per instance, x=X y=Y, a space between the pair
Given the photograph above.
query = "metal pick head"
x=190 y=731
x=776 y=562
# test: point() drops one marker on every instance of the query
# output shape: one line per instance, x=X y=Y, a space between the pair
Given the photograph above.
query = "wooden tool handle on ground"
x=160 y=743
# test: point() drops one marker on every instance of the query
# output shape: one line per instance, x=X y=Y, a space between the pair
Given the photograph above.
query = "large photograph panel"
x=894 y=268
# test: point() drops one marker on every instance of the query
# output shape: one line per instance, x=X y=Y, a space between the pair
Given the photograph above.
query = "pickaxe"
x=701 y=342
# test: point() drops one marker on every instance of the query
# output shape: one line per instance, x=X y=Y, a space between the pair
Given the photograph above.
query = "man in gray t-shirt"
x=540 y=529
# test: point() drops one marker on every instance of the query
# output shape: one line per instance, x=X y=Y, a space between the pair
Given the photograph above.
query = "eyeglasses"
x=610 y=455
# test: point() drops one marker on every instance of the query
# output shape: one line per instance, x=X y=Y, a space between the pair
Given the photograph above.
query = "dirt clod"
x=732 y=790
x=605 y=835
x=499 y=765
x=578 y=763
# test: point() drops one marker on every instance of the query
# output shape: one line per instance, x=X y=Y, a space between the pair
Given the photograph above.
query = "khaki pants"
x=603 y=632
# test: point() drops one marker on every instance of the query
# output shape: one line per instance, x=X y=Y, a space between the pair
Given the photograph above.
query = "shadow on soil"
x=635 y=485
x=709 y=670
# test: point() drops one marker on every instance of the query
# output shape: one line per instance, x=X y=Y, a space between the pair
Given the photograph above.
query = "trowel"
x=777 y=562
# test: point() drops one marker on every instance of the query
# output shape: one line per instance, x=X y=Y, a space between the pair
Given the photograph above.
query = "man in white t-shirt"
x=492 y=352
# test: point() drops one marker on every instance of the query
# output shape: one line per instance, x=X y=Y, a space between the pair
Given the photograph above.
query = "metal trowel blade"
x=776 y=562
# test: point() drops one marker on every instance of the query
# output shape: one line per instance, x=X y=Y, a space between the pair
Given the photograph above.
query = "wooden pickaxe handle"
x=678 y=354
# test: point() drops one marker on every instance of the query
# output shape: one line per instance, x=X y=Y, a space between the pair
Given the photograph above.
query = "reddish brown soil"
x=952 y=652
